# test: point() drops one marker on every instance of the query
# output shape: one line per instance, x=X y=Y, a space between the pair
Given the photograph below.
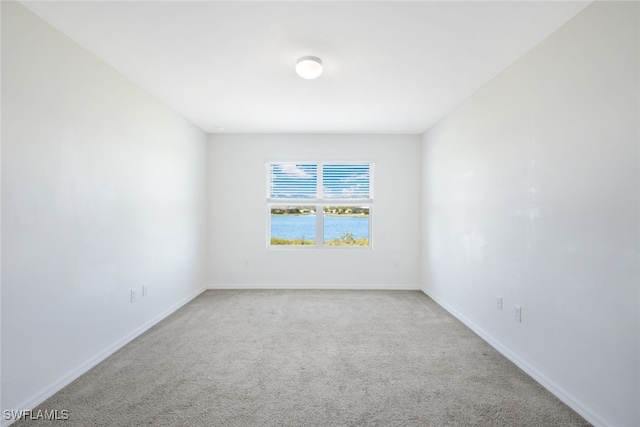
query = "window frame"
x=320 y=203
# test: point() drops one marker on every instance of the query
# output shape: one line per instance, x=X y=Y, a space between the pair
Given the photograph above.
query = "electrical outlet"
x=499 y=303
x=517 y=313
x=396 y=264
x=145 y=291
x=134 y=295
x=246 y=263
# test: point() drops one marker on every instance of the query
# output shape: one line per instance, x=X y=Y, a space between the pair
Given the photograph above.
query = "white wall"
x=0 y=220
x=238 y=216
x=103 y=190
x=531 y=192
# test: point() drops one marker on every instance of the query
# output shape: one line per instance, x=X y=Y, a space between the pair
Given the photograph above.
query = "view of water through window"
x=343 y=226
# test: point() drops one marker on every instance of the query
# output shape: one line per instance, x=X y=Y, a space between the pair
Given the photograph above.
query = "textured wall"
x=103 y=190
x=532 y=193
x=238 y=213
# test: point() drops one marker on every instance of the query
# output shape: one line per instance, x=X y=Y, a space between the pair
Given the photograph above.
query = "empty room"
x=341 y=213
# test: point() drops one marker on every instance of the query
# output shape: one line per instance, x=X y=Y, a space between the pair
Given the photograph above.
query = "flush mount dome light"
x=309 y=67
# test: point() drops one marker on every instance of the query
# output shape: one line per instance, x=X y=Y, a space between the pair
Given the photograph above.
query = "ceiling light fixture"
x=309 y=67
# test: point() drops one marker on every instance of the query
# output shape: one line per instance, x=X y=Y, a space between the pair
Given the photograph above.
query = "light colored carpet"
x=309 y=358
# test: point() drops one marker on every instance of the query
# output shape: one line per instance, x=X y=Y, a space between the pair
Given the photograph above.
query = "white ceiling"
x=389 y=67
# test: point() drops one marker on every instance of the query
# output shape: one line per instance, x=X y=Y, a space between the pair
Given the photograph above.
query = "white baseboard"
x=385 y=287
x=65 y=380
x=545 y=381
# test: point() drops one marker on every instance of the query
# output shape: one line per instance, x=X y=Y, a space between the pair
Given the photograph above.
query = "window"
x=319 y=204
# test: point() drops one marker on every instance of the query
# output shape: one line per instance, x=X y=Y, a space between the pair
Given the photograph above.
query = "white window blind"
x=346 y=181
x=293 y=181
x=340 y=181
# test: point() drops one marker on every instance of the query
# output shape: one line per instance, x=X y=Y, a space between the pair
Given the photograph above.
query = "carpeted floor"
x=309 y=358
